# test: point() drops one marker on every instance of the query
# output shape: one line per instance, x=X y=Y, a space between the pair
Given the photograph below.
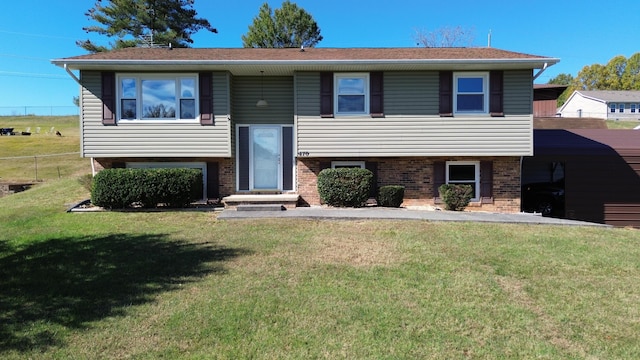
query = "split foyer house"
x=267 y=121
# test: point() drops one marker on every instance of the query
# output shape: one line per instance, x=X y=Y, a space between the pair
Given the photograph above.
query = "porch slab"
x=288 y=201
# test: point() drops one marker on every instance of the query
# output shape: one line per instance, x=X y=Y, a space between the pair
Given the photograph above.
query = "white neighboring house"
x=603 y=104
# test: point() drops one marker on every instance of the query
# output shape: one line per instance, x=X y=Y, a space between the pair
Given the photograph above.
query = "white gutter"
x=546 y=65
x=66 y=68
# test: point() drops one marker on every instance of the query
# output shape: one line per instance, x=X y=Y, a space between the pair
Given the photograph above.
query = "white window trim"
x=475 y=183
x=621 y=108
x=612 y=108
x=174 y=165
x=339 y=164
x=485 y=91
x=336 y=77
x=156 y=76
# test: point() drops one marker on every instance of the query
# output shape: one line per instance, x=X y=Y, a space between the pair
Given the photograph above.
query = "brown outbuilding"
x=600 y=169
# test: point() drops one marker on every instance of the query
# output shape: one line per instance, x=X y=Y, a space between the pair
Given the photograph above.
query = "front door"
x=266 y=164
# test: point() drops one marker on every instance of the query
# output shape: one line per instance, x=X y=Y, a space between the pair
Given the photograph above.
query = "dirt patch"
x=355 y=249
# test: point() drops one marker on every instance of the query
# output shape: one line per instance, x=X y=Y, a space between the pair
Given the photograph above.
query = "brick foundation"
x=416 y=175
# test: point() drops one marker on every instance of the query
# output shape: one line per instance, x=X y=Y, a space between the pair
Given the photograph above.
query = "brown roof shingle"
x=318 y=54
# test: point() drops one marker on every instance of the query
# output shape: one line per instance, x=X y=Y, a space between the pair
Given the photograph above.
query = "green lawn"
x=183 y=285
x=622 y=124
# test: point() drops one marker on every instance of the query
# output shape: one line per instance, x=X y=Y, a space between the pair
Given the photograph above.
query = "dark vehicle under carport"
x=600 y=171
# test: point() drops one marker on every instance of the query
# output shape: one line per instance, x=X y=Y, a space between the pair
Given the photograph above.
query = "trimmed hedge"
x=455 y=196
x=345 y=187
x=123 y=188
x=390 y=195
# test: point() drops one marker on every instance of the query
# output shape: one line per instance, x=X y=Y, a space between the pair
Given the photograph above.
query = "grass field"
x=42 y=155
x=622 y=124
x=183 y=285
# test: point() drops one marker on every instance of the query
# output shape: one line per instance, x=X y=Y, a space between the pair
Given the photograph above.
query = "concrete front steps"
x=261 y=202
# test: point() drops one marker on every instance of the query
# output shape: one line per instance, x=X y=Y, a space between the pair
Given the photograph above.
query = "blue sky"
x=580 y=33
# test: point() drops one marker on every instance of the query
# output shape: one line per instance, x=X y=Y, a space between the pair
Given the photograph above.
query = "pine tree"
x=144 y=23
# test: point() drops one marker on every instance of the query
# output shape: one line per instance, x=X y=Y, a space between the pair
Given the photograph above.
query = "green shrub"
x=345 y=186
x=456 y=197
x=122 y=188
x=390 y=196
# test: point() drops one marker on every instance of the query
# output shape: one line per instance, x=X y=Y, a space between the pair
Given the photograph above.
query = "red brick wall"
x=416 y=175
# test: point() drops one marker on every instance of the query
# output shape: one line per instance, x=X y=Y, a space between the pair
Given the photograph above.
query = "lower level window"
x=465 y=173
x=347 y=164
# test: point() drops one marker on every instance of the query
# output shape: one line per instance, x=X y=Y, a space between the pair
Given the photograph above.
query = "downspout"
x=546 y=65
x=73 y=76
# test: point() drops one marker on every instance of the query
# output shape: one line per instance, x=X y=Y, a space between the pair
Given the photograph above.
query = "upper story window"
x=157 y=97
x=465 y=173
x=621 y=108
x=351 y=94
x=471 y=93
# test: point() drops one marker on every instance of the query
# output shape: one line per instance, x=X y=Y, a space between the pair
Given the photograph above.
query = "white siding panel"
x=415 y=136
x=153 y=139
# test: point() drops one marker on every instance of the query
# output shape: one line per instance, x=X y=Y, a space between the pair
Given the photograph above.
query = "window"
x=347 y=164
x=620 y=108
x=633 y=108
x=471 y=93
x=612 y=108
x=351 y=94
x=157 y=97
x=464 y=172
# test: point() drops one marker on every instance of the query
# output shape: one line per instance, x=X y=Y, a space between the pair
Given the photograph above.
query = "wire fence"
x=39 y=110
x=42 y=167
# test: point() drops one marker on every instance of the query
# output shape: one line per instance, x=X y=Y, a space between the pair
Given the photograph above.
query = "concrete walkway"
x=371 y=213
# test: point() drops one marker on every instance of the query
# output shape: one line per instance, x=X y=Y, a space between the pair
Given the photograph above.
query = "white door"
x=266 y=164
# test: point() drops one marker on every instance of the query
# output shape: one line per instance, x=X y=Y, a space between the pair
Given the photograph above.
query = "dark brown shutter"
x=446 y=93
x=213 y=186
x=108 y=98
x=324 y=165
x=206 y=98
x=486 y=182
x=243 y=158
x=376 y=92
x=439 y=178
x=287 y=158
x=326 y=94
x=496 y=97
x=373 y=167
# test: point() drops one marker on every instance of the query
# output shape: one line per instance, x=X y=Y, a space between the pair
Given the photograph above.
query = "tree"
x=446 y=37
x=287 y=27
x=563 y=79
x=144 y=23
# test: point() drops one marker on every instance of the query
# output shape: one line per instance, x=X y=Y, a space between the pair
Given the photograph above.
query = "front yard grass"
x=184 y=285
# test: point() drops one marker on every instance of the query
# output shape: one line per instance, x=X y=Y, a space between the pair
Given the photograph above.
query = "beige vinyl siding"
x=151 y=139
x=278 y=91
x=411 y=126
x=415 y=136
